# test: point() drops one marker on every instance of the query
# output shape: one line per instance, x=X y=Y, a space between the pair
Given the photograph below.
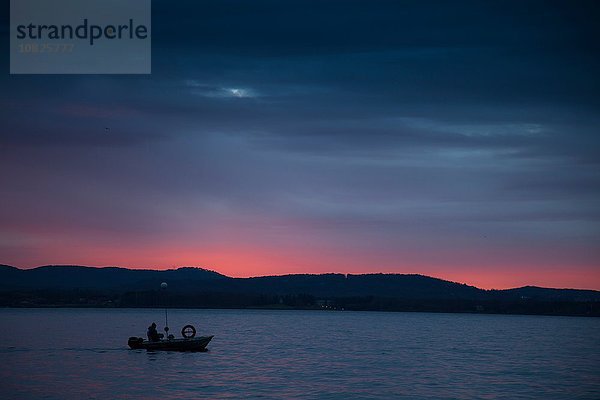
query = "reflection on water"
x=76 y=354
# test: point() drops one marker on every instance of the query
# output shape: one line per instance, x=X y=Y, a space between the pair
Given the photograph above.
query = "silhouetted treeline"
x=157 y=299
x=73 y=286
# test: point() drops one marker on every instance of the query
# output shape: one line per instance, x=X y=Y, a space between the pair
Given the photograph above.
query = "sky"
x=453 y=139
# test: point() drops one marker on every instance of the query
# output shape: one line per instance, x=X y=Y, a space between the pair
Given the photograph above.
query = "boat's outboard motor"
x=135 y=342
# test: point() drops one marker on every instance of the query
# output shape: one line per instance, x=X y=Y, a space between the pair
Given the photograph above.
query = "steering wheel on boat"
x=188 y=331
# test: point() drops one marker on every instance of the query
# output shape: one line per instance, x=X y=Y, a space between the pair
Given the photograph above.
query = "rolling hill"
x=198 y=287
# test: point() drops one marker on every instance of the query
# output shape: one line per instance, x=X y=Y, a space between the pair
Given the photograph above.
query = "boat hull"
x=192 y=344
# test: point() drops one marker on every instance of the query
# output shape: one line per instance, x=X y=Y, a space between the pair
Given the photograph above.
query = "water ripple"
x=297 y=354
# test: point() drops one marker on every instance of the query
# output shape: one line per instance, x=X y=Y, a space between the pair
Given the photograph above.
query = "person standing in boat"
x=153 y=334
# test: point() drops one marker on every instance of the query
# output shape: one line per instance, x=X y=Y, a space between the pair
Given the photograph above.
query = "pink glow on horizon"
x=244 y=245
x=254 y=261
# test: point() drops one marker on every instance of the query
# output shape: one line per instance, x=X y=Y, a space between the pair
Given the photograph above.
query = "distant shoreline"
x=197 y=288
x=78 y=307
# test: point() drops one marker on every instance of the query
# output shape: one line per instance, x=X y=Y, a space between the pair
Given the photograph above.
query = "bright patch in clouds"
x=206 y=90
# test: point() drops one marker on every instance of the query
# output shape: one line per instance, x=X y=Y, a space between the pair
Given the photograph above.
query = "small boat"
x=189 y=342
x=185 y=344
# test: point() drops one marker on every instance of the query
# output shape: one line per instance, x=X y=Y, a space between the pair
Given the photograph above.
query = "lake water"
x=81 y=354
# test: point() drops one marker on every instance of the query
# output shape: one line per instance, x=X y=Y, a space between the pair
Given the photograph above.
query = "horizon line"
x=175 y=268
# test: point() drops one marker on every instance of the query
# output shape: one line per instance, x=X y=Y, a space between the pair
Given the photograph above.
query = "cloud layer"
x=459 y=140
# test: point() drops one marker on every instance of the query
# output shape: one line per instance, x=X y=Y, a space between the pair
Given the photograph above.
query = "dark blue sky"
x=456 y=139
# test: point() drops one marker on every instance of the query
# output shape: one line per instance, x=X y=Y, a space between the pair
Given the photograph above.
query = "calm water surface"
x=80 y=354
